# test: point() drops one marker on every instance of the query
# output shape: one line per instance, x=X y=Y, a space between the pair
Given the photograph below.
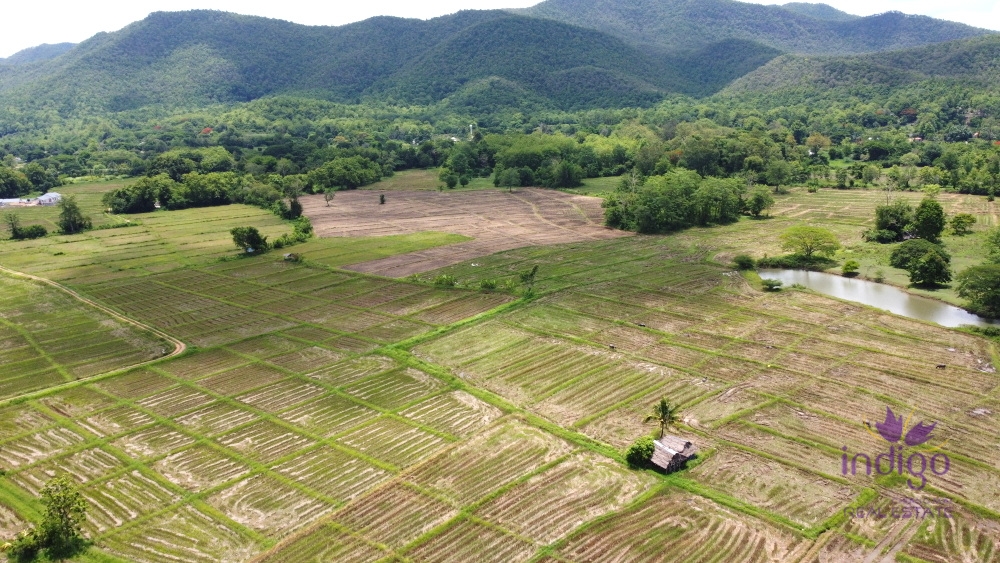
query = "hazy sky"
x=30 y=23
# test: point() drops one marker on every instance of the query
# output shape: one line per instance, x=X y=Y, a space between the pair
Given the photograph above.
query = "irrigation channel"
x=880 y=296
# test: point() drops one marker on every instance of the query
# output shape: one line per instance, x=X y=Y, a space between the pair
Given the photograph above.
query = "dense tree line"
x=21 y=181
x=674 y=201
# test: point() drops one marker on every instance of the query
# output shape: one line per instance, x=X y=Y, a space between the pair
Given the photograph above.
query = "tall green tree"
x=13 y=183
x=509 y=178
x=664 y=414
x=894 y=220
x=566 y=175
x=778 y=173
x=249 y=239
x=980 y=287
x=929 y=220
x=71 y=219
x=992 y=245
x=962 y=224
x=906 y=255
x=809 y=241
x=760 y=200
x=60 y=534
x=930 y=270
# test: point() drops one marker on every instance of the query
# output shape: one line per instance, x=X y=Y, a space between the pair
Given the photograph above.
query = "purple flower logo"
x=919 y=434
x=892 y=429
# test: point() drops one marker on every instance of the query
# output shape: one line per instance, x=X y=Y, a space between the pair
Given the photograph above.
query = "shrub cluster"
x=640 y=452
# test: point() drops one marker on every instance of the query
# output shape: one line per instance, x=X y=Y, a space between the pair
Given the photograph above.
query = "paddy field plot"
x=165 y=240
x=204 y=307
x=496 y=220
x=48 y=338
x=761 y=379
x=275 y=422
x=327 y=415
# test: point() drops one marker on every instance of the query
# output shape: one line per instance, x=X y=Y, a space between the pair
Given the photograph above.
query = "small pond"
x=881 y=296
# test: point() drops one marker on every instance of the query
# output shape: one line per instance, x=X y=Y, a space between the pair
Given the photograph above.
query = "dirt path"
x=179 y=347
x=496 y=220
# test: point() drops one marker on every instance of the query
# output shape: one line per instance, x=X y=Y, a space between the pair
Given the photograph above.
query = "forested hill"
x=819 y=11
x=36 y=54
x=970 y=62
x=676 y=25
x=623 y=53
x=190 y=59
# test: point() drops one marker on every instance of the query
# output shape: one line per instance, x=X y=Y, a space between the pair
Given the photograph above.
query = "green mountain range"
x=970 y=62
x=560 y=54
x=36 y=54
x=678 y=25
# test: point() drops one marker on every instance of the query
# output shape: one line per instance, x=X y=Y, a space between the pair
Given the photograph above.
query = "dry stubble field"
x=497 y=221
x=333 y=416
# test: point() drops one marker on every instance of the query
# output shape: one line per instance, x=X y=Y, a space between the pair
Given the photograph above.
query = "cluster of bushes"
x=344 y=173
x=17 y=232
x=302 y=230
x=677 y=200
x=251 y=241
x=899 y=220
x=555 y=174
x=640 y=452
x=927 y=263
x=205 y=190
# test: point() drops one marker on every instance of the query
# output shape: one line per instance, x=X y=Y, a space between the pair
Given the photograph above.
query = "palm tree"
x=664 y=414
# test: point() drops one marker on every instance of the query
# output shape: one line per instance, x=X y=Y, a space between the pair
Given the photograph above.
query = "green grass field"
x=324 y=415
x=88 y=195
x=847 y=213
x=410 y=180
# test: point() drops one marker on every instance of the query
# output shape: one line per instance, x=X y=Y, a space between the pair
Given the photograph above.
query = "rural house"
x=671 y=453
x=51 y=198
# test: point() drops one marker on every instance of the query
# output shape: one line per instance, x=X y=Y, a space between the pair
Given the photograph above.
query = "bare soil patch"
x=496 y=219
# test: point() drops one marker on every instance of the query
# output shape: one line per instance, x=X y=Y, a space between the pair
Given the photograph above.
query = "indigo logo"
x=916 y=464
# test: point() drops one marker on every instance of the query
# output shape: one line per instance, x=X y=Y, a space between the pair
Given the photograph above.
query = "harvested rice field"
x=325 y=414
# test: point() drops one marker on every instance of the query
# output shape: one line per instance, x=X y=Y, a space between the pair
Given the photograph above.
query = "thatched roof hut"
x=670 y=453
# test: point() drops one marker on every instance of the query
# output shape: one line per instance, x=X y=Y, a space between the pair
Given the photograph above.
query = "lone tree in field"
x=509 y=178
x=249 y=239
x=929 y=220
x=962 y=223
x=328 y=195
x=778 y=172
x=60 y=534
x=664 y=414
x=71 y=219
x=759 y=202
x=13 y=224
x=809 y=241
